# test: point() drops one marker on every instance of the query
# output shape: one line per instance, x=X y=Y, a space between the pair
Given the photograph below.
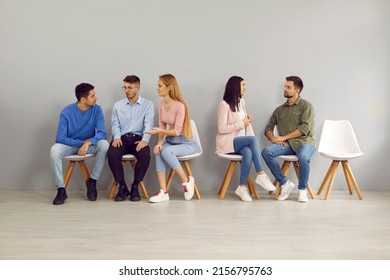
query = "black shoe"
x=134 y=194
x=60 y=197
x=123 y=192
x=91 y=189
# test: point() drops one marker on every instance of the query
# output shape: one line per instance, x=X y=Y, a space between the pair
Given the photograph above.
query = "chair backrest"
x=195 y=136
x=338 y=137
x=276 y=131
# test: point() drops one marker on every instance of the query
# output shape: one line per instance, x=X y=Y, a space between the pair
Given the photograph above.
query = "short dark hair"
x=232 y=93
x=132 y=79
x=82 y=90
x=298 y=83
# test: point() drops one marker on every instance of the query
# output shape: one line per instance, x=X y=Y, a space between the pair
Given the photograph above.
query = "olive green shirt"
x=299 y=116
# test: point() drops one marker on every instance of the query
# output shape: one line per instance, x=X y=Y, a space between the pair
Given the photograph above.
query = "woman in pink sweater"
x=174 y=137
x=235 y=135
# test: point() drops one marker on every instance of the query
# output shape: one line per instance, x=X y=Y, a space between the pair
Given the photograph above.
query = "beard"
x=287 y=95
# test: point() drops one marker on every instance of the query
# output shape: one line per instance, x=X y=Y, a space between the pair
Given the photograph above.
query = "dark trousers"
x=114 y=156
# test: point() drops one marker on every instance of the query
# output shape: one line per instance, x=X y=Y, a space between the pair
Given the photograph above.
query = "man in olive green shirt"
x=295 y=122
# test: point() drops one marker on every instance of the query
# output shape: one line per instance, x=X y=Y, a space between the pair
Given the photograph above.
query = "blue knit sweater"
x=75 y=125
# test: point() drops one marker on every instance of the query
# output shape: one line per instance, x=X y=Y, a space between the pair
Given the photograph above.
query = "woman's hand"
x=157 y=149
x=248 y=120
x=154 y=130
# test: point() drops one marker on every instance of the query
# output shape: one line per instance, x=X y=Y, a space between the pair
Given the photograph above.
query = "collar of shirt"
x=139 y=101
x=295 y=103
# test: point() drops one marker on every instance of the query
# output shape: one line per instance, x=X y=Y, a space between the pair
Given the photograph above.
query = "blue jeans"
x=58 y=151
x=304 y=154
x=173 y=147
x=248 y=147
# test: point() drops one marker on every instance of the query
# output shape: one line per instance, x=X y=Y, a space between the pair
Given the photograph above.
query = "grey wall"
x=339 y=48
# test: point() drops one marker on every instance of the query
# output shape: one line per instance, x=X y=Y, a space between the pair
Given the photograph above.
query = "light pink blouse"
x=229 y=126
x=174 y=118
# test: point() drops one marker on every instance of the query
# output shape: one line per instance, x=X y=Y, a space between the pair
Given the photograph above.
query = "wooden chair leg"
x=252 y=188
x=68 y=173
x=347 y=178
x=84 y=170
x=146 y=195
x=226 y=180
x=349 y=172
x=335 y=165
x=310 y=191
x=325 y=179
x=170 y=178
x=111 y=193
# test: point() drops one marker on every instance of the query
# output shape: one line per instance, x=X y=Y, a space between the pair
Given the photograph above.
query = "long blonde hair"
x=175 y=93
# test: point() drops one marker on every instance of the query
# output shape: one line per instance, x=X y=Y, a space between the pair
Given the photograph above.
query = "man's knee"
x=55 y=151
x=114 y=152
x=266 y=152
x=103 y=146
x=144 y=153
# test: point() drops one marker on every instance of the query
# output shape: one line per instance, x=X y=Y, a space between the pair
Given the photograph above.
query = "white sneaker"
x=302 y=197
x=189 y=188
x=264 y=181
x=159 y=197
x=242 y=192
x=286 y=190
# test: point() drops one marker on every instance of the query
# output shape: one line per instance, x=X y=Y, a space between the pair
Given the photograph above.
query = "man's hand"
x=279 y=140
x=84 y=148
x=140 y=145
x=117 y=143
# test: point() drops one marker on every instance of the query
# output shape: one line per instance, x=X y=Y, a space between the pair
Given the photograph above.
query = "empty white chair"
x=338 y=142
x=184 y=159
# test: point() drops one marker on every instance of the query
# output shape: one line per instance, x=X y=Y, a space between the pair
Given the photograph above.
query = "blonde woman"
x=174 y=137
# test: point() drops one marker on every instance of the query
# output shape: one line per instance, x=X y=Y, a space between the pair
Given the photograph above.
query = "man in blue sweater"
x=81 y=131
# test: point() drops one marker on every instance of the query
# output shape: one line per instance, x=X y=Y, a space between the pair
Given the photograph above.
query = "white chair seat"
x=289 y=158
x=188 y=157
x=341 y=156
x=233 y=157
x=128 y=157
x=78 y=158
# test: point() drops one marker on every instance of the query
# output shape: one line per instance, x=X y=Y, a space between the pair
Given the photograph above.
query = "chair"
x=287 y=160
x=234 y=158
x=338 y=142
x=125 y=158
x=72 y=162
x=184 y=159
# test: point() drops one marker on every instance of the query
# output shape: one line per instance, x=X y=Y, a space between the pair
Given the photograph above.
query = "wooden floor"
x=340 y=228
